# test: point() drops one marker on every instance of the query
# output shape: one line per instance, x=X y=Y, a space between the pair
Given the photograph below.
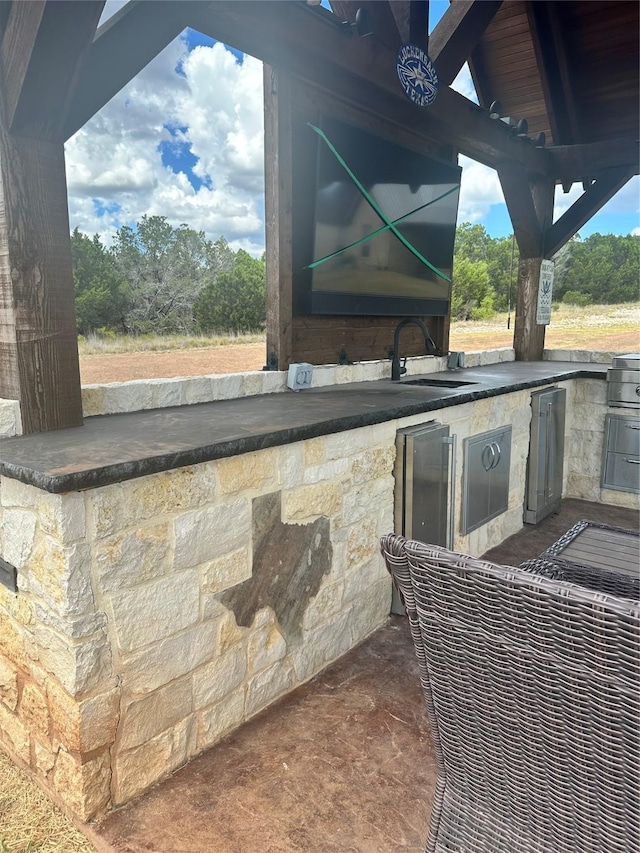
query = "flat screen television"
x=381 y=235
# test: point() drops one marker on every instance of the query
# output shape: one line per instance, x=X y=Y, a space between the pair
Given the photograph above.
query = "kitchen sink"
x=438 y=383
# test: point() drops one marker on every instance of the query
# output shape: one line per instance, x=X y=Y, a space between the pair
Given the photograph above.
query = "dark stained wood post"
x=530 y=205
x=278 y=214
x=43 y=47
x=38 y=341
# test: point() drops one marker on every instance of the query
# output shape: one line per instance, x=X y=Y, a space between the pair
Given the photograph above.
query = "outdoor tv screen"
x=384 y=225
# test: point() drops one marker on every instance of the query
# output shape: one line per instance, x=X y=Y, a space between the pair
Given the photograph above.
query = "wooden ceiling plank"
x=457 y=33
x=412 y=21
x=43 y=50
x=271 y=32
x=522 y=212
x=589 y=203
x=122 y=47
x=546 y=35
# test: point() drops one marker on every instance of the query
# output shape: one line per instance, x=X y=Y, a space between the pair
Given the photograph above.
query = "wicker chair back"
x=531 y=689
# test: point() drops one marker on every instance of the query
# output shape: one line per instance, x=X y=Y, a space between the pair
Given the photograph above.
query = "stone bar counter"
x=180 y=569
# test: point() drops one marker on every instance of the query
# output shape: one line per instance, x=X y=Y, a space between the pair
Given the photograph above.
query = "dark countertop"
x=110 y=448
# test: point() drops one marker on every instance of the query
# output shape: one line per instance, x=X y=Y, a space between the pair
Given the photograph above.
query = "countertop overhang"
x=111 y=448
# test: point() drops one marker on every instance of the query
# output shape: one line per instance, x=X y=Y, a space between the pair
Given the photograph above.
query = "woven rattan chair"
x=531 y=688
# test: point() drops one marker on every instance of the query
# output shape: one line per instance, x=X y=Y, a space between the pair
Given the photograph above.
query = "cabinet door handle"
x=631 y=426
x=488 y=464
x=497 y=453
x=633 y=461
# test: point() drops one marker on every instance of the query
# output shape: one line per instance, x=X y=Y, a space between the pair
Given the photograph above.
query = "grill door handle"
x=633 y=461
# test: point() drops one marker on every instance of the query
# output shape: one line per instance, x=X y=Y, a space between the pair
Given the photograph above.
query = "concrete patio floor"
x=342 y=765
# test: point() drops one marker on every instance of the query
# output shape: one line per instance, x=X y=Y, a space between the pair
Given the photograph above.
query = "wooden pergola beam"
x=571 y=163
x=412 y=21
x=522 y=212
x=122 y=47
x=457 y=33
x=362 y=70
x=589 y=203
x=43 y=50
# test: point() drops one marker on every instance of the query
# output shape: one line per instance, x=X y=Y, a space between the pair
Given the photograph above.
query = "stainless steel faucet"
x=396 y=369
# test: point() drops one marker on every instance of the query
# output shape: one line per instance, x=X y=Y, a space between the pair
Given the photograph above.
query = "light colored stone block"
x=227 y=387
x=215 y=722
x=268 y=685
x=227 y=571
x=252 y=383
x=139 y=768
x=61 y=575
x=14 y=734
x=83 y=787
x=322 y=645
x=265 y=647
x=62 y=516
x=207 y=534
x=371 y=610
x=292 y=465
x=249 y=471
x=10 y=418
x=44 y=757
x=33 y=710
x=373 y=464
x=142 y=719
x=8 y=683
x=363 y=543
x=220 y=677
x=18 y=535
x=307 y=502
x=326 y=604
x=174 y=657
x=83 y=725
x=165 y=393
x=17 y=494
x=229 y=633
x=105 y=510
x=131 y=558
x=342 y=444
x=79 y=666
x=167 y=493
x=274 y=381
x=156 y=610
x=73 y=627
x=196 y=389
x=359 y=580
x=368 y=498
x=334 y=470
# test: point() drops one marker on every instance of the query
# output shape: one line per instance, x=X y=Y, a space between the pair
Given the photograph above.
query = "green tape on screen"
x=389 y=225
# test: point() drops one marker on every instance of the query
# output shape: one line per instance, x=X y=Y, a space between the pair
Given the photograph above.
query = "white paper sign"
x=545 y=291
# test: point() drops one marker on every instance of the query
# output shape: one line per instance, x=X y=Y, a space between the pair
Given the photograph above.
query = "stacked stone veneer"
x=156 y=615
x=122 y=656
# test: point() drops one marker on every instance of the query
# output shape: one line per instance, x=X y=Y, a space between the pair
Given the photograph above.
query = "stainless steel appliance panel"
x=621 y=464
x=546 y=454
x=487 y=460
x=422 y=486
x=623 y=381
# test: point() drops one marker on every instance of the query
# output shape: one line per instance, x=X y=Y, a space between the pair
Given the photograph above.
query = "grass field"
x=118 y=359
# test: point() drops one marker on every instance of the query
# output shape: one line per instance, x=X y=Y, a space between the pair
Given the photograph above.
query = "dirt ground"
x=236 y=358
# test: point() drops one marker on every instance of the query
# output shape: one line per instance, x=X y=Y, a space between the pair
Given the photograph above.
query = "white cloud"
x=479 y=190
x=115 y=172
x=626 y=200
x=464 y=84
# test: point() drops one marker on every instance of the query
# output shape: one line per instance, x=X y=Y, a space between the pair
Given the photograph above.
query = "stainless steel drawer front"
x=621 y=464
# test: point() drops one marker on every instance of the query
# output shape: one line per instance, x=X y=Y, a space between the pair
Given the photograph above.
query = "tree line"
x=602 y=269
x=164 y=280
x=161 y=279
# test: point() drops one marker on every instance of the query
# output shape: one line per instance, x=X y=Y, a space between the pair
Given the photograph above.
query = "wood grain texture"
x=43 y=51
x=38 y=346
x=589 y=203
x=278 y=214
x=321 y=340
x=519 y=200
x=528 y=336
x=457 y=33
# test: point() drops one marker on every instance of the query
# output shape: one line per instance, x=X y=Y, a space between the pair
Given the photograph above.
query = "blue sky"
x=184 y=140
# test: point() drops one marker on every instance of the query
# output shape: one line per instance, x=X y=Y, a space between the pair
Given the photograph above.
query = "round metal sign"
x=417 y=75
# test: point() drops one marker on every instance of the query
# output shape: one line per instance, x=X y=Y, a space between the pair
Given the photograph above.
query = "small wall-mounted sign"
x=545 y=292
x=8 y=575
x=417 y=75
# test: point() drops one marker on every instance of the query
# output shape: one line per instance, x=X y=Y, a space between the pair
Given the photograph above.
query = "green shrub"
x=573 y=297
